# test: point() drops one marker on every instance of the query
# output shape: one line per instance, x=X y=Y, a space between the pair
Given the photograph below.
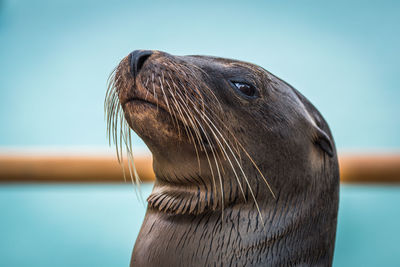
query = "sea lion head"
x=220 y=130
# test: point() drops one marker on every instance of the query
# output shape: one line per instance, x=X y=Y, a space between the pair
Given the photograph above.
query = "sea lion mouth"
x=132 y=102
x=148 y=117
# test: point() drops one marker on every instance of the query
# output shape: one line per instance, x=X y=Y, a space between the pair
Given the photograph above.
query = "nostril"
x=138 y=57
x=141 y=61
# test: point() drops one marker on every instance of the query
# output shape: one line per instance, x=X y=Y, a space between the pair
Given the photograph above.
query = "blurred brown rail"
x=380 y=168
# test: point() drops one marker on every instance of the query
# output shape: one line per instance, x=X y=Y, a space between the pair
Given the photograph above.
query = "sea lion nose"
x=138 y=57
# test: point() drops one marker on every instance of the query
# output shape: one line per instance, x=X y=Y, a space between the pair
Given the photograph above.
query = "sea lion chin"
x=246 y=167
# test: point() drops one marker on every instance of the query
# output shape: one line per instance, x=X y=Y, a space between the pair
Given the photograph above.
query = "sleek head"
x=221 y=131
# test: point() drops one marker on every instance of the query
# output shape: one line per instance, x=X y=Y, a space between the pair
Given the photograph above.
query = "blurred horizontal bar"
x=69 y=168
x=22 y=168
x=372 y=168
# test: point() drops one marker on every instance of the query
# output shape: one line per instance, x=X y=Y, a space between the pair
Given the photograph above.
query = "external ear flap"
x=324 y=142
x=320 y=137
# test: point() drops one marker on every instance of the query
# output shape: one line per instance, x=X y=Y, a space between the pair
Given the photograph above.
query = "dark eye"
x=245 y=88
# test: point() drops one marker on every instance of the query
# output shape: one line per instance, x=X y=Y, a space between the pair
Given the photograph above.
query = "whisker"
x=215 y=159
x=118 y=130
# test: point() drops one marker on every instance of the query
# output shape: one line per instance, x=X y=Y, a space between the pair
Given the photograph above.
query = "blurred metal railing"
x=20 y=168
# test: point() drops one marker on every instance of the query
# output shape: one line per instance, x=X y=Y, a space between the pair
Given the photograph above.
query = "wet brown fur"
x=239 y=181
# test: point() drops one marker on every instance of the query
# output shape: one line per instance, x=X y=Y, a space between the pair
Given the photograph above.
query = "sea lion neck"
x=181 y=198
x=192 y=195
x=293 y=231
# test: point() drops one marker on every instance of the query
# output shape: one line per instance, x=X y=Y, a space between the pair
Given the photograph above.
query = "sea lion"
x=246 y=167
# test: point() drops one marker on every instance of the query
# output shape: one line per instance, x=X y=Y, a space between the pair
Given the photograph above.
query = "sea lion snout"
x=137 y=59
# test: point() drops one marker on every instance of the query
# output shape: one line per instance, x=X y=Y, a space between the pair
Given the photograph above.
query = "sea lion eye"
x=244 y=88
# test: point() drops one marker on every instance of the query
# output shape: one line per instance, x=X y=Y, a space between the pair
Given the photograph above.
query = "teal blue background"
x=56 y=56
x=86 y=225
